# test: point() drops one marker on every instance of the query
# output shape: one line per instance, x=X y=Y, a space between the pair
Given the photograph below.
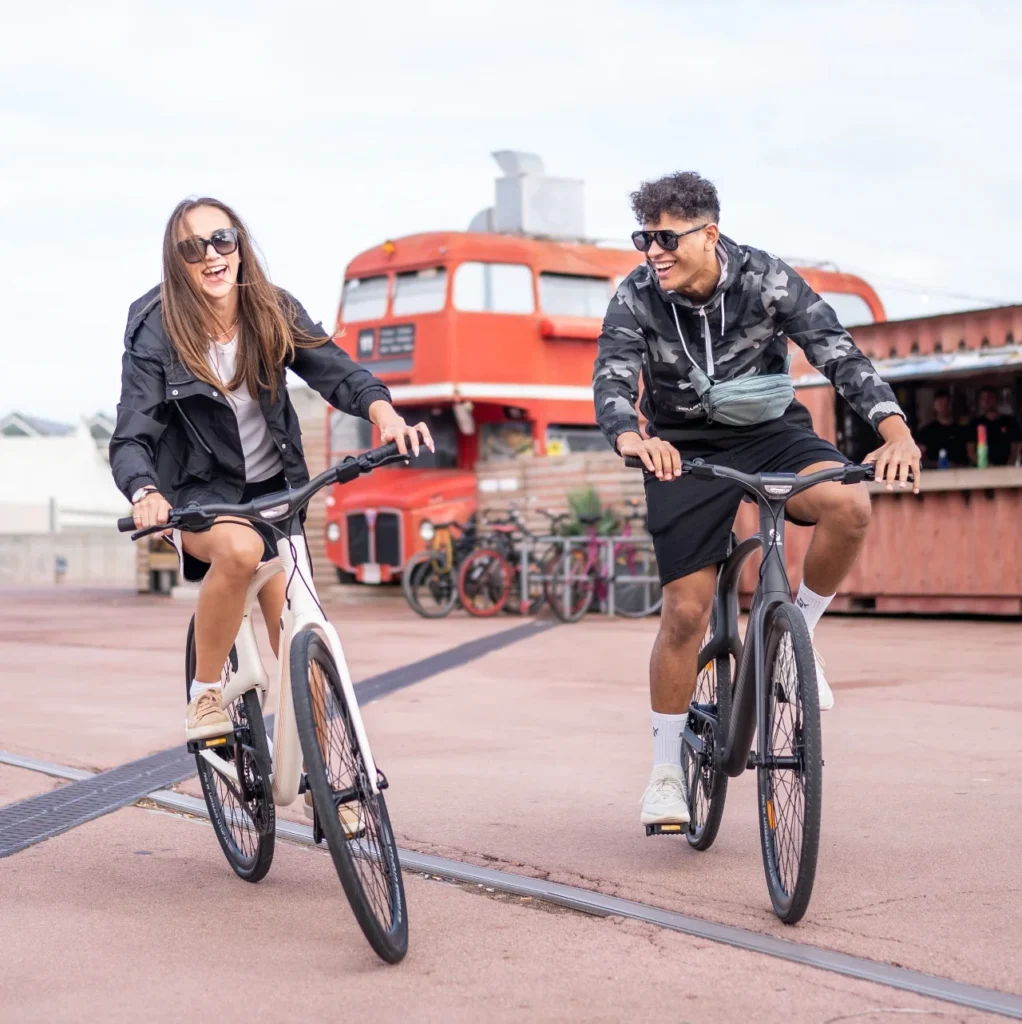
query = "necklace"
x=213 y=337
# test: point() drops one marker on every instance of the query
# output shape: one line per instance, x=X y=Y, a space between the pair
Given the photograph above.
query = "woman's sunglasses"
x=667 y=240
x=223 y=240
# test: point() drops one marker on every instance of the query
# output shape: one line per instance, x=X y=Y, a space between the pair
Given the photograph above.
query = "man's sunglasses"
x=223 y=240
x=667 y=240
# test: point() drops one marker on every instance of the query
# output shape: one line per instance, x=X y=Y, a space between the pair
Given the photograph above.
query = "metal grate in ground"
x=48 y=814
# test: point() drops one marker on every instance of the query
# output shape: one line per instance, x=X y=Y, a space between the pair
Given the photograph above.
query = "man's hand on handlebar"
x=150 y=510
x=897 y=456
x=657 y=456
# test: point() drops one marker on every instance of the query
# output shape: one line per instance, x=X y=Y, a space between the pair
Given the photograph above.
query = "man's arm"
x=813 y=325
x=616 y=372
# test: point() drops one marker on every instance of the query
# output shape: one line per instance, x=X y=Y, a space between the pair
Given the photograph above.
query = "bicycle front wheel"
x=791 y=780
x=431 y=594
x=240 y=804
x=352 y=818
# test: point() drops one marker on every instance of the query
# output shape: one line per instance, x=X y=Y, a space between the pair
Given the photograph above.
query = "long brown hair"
x=268 y=333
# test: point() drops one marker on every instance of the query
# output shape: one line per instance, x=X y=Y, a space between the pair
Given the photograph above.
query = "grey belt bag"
x=742 y=402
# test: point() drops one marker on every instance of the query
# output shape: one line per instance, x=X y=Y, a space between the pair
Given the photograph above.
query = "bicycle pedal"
x=211 y=743
x=671 y=828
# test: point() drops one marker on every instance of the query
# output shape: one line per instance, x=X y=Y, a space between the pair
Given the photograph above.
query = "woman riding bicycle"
x=205 y=416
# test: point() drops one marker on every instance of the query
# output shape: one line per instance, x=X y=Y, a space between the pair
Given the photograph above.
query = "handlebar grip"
x=633 y=462
x=126 y=524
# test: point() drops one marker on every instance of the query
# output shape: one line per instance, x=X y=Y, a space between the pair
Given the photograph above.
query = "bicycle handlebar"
x=280 y=504
x=771 y=485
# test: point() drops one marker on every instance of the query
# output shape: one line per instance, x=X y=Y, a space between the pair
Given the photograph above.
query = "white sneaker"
x=664 y=801
x=826 y=694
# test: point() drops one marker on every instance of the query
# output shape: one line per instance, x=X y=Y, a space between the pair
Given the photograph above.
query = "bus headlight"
x=333 y=532
x=426 y=530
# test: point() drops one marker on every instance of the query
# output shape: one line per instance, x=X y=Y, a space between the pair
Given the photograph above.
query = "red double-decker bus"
x=489 y=339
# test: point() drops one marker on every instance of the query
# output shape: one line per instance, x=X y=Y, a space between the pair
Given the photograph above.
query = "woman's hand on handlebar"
x=659 y=457
x=150 y=510
x=393 y=428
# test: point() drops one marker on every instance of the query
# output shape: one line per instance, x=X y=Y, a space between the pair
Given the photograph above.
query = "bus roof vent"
x=528 y=202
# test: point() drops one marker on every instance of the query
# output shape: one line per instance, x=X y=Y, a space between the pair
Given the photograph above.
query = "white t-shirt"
x=262 y=460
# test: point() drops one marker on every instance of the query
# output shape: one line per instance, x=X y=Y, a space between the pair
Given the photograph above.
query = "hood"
x=731 y=257
x=405 y=489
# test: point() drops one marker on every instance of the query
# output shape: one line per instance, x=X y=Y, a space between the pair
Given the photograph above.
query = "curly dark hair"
x=684 y=194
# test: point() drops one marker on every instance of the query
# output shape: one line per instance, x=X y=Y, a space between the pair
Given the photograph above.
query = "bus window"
x=575 y=438
x=420 y=291
x=852 y=310
x=365 y=298
x=348 y=434
x=493 y=288
x=574 y=295
x=499 y=442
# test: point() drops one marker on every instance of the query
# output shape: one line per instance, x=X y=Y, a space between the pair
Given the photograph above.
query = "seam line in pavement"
x=598 y=904
x=40 y=817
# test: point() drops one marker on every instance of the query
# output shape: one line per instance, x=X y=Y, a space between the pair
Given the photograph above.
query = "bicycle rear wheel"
x=705 y=779
x=572 y=587
x=484 y=582
x=352 y=818
x=431 y=594
x=791 y=781
x=241 y=811
x=535 y=588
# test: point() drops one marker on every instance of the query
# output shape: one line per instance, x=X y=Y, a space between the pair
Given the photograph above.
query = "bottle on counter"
x=942 y=460
x=982 y=452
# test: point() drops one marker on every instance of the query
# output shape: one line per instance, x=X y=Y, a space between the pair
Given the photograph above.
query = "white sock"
x=195 y=688
x=667 y=731
x=813 y=606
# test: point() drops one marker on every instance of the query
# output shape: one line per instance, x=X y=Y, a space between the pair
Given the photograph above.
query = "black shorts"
x=194 y=569
x=691 y=520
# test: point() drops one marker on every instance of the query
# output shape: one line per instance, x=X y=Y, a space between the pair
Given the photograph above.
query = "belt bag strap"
x=743 y=402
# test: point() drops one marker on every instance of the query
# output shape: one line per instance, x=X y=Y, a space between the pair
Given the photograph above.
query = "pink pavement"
x=532 y=758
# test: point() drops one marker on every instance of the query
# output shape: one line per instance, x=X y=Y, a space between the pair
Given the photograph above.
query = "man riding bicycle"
x=706 y=323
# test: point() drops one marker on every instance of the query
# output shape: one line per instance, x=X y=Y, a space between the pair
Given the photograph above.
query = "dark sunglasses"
x=667 y=240
x=223 y=240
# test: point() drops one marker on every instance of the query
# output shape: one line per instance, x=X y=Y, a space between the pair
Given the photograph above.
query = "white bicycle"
x=319 y=742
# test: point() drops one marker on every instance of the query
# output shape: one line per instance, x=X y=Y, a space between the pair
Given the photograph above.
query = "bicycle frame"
x=301 y=612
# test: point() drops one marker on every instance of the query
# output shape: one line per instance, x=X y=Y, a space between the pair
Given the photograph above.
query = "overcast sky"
x=881 y=137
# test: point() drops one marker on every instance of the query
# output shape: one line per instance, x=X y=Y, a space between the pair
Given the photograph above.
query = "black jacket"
x=180 y=434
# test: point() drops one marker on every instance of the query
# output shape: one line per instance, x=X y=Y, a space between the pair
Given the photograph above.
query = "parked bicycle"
x=765 y=687
x=317 y=721
x=582 y=575
x=430 y=577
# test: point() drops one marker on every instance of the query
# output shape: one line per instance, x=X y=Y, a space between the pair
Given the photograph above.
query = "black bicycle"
x=764 y=687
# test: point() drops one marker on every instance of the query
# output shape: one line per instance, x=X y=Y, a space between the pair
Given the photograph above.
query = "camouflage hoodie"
x=740 y=331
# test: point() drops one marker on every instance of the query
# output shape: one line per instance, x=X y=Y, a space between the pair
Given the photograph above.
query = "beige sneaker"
x=348 y=813
x=206 y=717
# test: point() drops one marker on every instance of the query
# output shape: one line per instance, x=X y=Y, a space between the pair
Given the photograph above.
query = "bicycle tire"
x=367 y=866
x=636 y=595
x=705 y=779
x=420 y=574
x=484 y=582
x=246 y=830
x=536 y=587
x=790 y=796
x=578 y=585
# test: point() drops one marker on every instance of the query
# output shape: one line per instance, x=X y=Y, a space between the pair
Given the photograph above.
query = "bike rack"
x=609 y=545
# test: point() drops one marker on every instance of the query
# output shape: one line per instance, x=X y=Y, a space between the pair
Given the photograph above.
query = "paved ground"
x=533 y=759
